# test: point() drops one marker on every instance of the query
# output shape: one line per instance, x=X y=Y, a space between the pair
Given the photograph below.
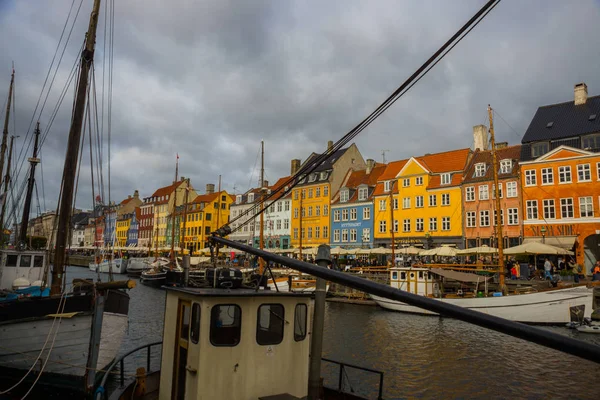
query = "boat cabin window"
x=412 y=274
x=25 y=261
x=394 y=275
x=429 y=275
x=225 y=325
x=402 y=275
x=195 y=328
x=38 y=261
x=185 y=322
x=269 y=325
x=300 y=322
x=11 y=260
x=420 y=274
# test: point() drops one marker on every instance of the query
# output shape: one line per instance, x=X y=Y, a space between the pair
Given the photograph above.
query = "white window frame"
x=585 y=169
x=406 y=203
x=471 y=219
x=406 y=225
x=433 y=224
x=547 y=176
x=336 y=215
x=366 y=213
x=470 y=193
x=406 y=182
x=363 y=193
x=570 y=207
x=505 y=166
x=564 y=172
x=344 y=195
x=345 y=214
x=382 y=226
x=484 y=218
x=419 y=181
x=382 y=205
x=445 y=199
x=480 y=170
x=353 y=214
x=419 y=225
x=336 y=235
x=344 y=235
x=511 y=189
x=513 y=216
x=446 y=178
x=434 y=202
x=484 y=193
x=446 y=224
x=531 y=207
x=419 y=202
x=549 y=208
x=586 y=202
x=530 y=177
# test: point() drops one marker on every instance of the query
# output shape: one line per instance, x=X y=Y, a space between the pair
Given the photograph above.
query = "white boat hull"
x=550 y=307
x=118 y=266
x=303 y=286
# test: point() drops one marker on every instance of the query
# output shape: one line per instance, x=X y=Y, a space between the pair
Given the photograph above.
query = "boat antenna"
x=6 y=120
x=498 y=216
x=34 y=160
x=73 y=144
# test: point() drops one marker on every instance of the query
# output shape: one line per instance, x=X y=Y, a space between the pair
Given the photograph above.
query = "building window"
x=296 y=233
x=395 y=204
x=344 y=194
x=547 y=176
x=344 y=235
x=325 y=210
x=494 y=190
x=539 y=149
x=325 y=232
x=286 y=224
x=479 y=170
x=513 y=216
x=496 y=217
x=406 y=225
x=549 y=209
x=530 y=177
x=366 y=213
x=336 y=235
x=586 y=207
x=511 y=189
x=353 y=214
x=598 y=171
x=406 y=202
x=317 y=232
x=419 y=225
x=445 y=223
x=532 y=209
x=566 y=208
x=446 y=179
x=483 y=192
x=345 y=215
x=317 y=211
x=363 y=193
x=471 y=219
x=433 y=224
x=591 y=142
x=381 y=205
x=300 y=319
x=353 y=235
x=387 y=186
x=470 y=193
x=564 y=174
x=310 y=232
x=269 y=327
x=395 y=225
x=310 y=211
x=406 y=182
x=432 y=200
x=445 y=199
x=584 y=173
x=225 y=325
x=295 y=212
x=505 y=166
x=325 y=191
x=318 y=191
x=419 y=201
x=419 y=181
x=484 y=218
x=382 y=226
x=366 y=235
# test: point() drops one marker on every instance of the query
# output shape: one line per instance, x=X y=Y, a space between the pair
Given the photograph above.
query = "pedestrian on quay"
x=575 y=268
x=547 y=269
x=596 y=271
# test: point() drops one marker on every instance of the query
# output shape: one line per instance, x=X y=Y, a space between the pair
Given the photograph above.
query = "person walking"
x=596 y=271
x=574 y=269
x=547 y=269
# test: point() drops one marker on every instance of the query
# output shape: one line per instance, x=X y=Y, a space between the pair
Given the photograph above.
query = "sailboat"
x=36 y=343
x=550 y=306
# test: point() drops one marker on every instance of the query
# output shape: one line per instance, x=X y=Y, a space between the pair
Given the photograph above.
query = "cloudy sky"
x=209 y=79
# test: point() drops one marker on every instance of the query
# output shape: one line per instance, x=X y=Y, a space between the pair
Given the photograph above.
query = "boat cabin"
x=22 y=269
x=235 y=344
x=414 y=280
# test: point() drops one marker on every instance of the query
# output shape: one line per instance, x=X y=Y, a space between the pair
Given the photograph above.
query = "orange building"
x=479 y=198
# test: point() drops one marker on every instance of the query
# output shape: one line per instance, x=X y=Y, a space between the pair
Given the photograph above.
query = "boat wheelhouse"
x=22 y=269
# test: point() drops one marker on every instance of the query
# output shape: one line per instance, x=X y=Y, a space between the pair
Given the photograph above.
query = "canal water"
x=421 y=356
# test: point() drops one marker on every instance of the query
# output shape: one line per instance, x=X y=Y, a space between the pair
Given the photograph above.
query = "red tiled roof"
x=279 y=185
x=435 y=182
x=163 y=191
x=448 y=161
x=205 y=198
x=392 y=170
x=357 y=178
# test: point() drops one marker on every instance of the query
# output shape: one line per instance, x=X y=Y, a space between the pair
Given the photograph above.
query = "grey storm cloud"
x=208 y=80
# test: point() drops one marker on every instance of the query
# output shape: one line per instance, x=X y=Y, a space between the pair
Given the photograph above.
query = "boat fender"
x=99 y=393
x=20 y=283
x=37 y=283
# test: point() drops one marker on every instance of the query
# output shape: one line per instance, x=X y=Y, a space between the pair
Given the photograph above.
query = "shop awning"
x=564 y=242
x=459 y=276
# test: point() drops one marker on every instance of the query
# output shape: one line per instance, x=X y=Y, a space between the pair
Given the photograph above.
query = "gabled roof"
x=435 y=182
x=279 y=185
x=167 y=190
x=448 y=161
x=392 y=170
x=205 y=198
x=327 y=164
x=355 y=179
x=510 y=152
x=563 y=120
x=570 y=151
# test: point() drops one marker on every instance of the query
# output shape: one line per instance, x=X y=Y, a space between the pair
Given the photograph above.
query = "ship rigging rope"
x=59 y=311
x=310 y=166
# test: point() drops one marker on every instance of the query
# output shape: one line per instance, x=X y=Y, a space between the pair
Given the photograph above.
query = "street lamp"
x=543 y=230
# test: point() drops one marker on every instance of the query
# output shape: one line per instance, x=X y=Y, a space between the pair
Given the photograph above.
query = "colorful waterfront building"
x=352 y=207
x=311 y=198
x=479 y=197
x=164 y=207
x=243 y=216
x=122 y=227
x=560 y=176
x=428 y=207
x=205 y=214
x=146 y=231
x=110 y=224
x=133 y=231
x=276 y=219
x=382 y=197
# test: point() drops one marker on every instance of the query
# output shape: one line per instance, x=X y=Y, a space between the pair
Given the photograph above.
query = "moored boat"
x=137 y=265
x=116 y=266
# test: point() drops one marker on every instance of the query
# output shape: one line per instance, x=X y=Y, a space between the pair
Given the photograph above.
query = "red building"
x=146 y=232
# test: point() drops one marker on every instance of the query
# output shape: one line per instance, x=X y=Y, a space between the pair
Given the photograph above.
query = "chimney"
x=501 y=145
x=265 y=184
x=480 y=137
x=580 y=94
x=128 y=196
x=210 y=188
x=136 y=194
x=329 y=145
x=370 y=165
x=295 y=166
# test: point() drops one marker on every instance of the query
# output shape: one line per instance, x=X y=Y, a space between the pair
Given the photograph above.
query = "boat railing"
x=100 y=391
x=342 y=373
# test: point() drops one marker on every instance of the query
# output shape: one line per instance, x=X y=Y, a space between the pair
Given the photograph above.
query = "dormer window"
x=505 y=166
x=591 y=142
x=250 y=197
x=323 y=176
x=312 y=177
x=344 y=195
x=238 y=198
x=446 y=179
x=363 y=193
x=539 y=149
x=387 y=186
x=479 y=170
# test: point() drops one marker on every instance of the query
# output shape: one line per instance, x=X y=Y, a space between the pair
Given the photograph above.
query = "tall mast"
x=218 y=202
x=173 y=213
x=261 y=235
x=185 y=205
x=6 y=183
x=27 y=207
x=300 y=247
x=6 y=118
x=498 y=218
x=392 y=222
x=72 y=156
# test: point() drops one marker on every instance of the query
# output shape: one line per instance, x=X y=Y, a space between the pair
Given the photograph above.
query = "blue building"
x=352 y=208
x=132 y=232
x=110 y=224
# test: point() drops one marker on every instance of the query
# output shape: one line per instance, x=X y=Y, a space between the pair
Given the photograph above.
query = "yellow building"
x=123 y=223
x=311 y=199
x=164 y=205
x=381 y=203
x=205 y=214
x=427 y=201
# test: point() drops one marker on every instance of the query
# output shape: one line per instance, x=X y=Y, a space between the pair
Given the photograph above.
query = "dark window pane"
x=185 y=321
x=300 y=322
x=11 y=260
x=38 y=261
x=25 y=261
x=225 y=325
x=195 y=328
x=269 y=326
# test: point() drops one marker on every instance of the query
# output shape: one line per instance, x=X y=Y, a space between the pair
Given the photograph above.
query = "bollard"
x=186 y=269
x=314 y=373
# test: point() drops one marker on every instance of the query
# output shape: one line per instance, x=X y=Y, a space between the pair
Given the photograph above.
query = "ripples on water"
x=421 y=356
